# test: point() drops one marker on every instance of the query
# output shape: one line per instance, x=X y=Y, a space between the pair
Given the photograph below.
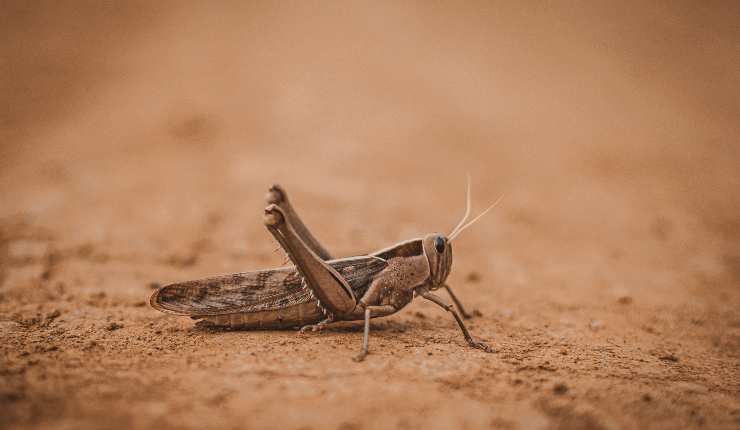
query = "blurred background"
x=137 y=140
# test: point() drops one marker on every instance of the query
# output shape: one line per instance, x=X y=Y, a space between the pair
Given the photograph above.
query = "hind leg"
x=277 y=196
x=318 y=326
x=329 y=288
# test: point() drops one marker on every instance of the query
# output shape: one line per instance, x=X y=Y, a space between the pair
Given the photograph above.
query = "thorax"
x=399 y=279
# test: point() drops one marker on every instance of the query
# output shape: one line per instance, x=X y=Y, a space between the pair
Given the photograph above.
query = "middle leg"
x=376 y=311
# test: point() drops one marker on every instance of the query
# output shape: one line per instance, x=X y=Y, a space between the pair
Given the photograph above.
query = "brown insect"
x=318 y=289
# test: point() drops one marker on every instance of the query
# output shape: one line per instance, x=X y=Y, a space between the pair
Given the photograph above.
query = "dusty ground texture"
x=138 y=142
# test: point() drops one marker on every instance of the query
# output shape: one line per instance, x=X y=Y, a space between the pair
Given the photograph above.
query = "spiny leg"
x=331 y=291
x=458 y=303
x=377 y=311
x=276 y=195
x=449 y=308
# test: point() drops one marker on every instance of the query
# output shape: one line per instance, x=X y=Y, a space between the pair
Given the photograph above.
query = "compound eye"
x=439 y=244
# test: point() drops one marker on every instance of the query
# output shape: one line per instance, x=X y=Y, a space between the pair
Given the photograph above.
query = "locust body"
x=318 y=289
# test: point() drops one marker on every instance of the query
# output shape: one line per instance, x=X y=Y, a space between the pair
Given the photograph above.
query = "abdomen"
x=292 y=316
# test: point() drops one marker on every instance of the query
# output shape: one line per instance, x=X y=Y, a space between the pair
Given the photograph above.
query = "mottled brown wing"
x=359 y=272
x=261 y=290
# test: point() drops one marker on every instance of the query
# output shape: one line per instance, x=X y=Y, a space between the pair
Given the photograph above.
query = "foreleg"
x=449 y=308
x=457 y=303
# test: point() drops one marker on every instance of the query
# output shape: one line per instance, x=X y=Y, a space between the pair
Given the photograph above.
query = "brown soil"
x=138 y=141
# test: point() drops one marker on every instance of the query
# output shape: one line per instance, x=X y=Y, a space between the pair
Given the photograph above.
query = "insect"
x=319 y=289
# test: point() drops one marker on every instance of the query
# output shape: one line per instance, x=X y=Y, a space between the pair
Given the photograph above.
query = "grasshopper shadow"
x=338 y=327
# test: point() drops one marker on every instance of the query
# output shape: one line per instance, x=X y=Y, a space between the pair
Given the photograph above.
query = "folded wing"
x=261 y=290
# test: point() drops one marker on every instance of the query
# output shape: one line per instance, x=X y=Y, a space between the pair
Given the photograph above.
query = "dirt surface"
x=138 y=141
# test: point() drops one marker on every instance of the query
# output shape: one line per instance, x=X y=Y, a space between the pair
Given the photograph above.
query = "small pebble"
x=560 y=388
x=625 y=300
x=113 y=326
x=473 y=277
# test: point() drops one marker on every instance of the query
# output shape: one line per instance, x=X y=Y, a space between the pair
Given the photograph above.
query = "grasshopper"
x=319 y=289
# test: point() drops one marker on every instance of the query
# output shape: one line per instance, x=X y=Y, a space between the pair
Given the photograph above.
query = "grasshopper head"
x=438 y=251
x=438 y=247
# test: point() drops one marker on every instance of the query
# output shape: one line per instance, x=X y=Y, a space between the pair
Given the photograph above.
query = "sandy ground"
x=138 y=142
